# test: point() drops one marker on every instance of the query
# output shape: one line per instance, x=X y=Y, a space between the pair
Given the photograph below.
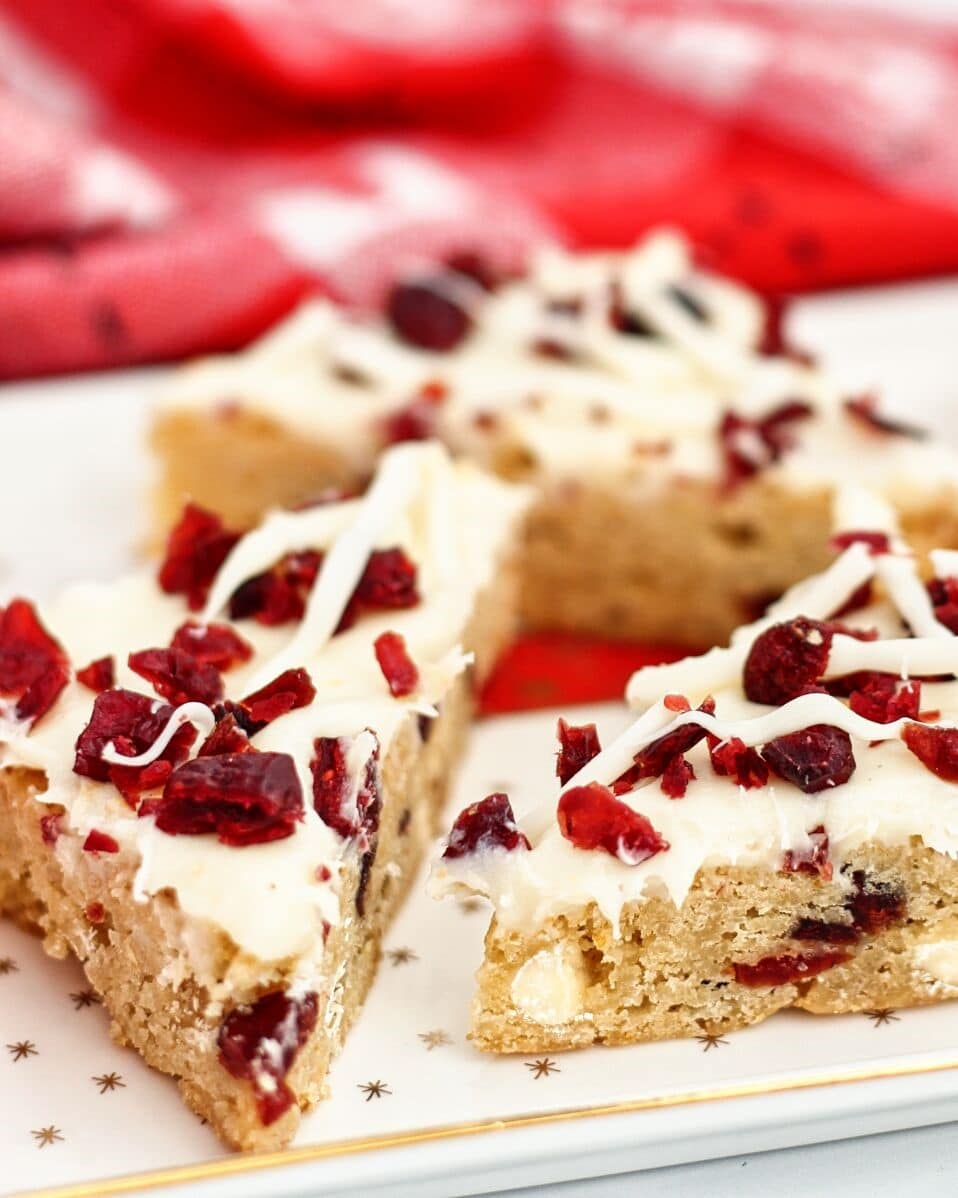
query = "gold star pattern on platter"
x=882 y=1016
x=22 y=1049
x=109 y=1081
x=435 y=1039
x=543 y=1067
x=47 y=1135
x=401 y=956
x=710 y=1040
x=8 y=965
x=84 y=998
x=375 y=1089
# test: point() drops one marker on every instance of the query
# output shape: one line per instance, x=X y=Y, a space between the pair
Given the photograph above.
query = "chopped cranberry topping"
x=876 y=903
x=786 y=661
x=778 y=971
x=388 y=581
x=287 y=692
x=773 y=342
x=245 y=798
x=876 y=543
x=814 y=758
x=749 y=446
x=33 y=666
x=100 y=842
x=259 y=1044
x=676 y=777
x=676 y=703
x=734 y=759
x=943 y=593
x=279 y=595
x=884 y=698
x=98 y=675
x=935 y=748
x=591 y=817
x=397 y=666
x=483 y=826
x=416 y=420
x=652 y=761
x=577 y=747
x=50 y=827
x=346 y=813
x=197 y=547
x=823 y=931
x=177 y=675
x=864 y=409
x=425 y=314
x=621 y=318
x=215 y=645
x=813 y=860
x=226 y=737
x=132 y=722
x=477 y=268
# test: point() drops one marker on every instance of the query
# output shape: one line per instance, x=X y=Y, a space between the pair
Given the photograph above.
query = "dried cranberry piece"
x=259 y=1044
x=943 y=593
x=787 y=660
x=676 y=777
x=813 y=860
x=416 y=420
x=50 y=827
x=215 y=645
x=577 y=747
x=226 y=737
x=814 y=758
x=749 y=446
x=287 y=692
x=621 y=319
x=177 y=675
x=388 y=581
x=884 y=698
x=474 y=266
x=876 y=903
x=823 y=931
x=33 y=666
x=876 y=543
x=484 y=826
x=591 y=817
x=652 y=761
x=424 y=313
x=397 y=666
x=778 y=971
x=132 y=722
x=278 y=596
x=100 y=842
x=333 y=797
x=864 y=410
x=197 y=547
x=98 y=675
x=734 y=759
x=936 y=748
x=244 y=798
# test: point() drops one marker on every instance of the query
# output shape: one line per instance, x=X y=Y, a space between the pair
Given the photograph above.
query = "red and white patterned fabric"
x=176 y=174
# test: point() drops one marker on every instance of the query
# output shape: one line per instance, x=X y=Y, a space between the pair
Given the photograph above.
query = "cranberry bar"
x=634 y=391
x=778 y=827
x=217 y=779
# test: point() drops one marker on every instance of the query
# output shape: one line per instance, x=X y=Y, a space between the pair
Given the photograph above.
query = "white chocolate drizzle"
x=197 y=714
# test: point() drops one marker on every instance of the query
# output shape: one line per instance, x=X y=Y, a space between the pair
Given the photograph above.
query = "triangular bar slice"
x=634 y=390
x=777 y=828
x=218 y=777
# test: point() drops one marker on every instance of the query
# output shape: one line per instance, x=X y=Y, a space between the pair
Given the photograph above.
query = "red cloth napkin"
x=175 y=174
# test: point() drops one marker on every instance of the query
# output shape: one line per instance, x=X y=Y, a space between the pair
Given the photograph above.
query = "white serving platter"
x=415 y=1110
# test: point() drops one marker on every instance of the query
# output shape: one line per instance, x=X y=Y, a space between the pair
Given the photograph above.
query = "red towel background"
x=174 y=174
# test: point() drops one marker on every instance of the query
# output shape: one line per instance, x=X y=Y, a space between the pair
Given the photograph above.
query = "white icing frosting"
x=890 y=798
x=272 y=899
x=590 y=415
